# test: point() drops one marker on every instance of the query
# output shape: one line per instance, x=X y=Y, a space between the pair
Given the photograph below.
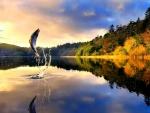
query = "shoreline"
x=111 y=57
x=146 y=57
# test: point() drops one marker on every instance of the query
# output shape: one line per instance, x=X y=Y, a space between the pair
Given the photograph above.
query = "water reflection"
x=31 y=108
x=70 y=86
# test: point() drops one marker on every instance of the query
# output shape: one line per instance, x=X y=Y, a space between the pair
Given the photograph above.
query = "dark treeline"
x=67 y=49
x=61 y=50
x=13 y=62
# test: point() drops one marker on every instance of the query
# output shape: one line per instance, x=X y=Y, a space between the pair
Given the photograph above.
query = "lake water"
x=75 y=86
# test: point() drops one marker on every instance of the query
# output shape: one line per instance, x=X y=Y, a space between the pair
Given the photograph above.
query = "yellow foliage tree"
x=139 y=64
x=129 y=70
x=120 y=51
x=120 y=62
x=139 y=50
x=129 y=43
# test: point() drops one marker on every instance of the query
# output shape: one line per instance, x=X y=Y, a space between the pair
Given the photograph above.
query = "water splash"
x=39 y=60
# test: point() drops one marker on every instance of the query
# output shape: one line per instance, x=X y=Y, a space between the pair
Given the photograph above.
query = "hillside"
x=66 y=49
x=132 y=39
x=13 y=50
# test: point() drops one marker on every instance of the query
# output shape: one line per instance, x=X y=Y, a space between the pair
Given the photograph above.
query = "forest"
x=132 y=39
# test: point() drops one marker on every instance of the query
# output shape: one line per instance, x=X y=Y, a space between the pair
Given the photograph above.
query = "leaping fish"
x=32 y=41
x=31 y=108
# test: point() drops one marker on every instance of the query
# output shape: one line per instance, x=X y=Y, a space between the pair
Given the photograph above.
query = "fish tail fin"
x=37 y=54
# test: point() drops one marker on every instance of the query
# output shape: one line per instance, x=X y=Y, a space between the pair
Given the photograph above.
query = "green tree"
x=111 y=29
x=138 y=20
x=146 y=22
x=147 y=14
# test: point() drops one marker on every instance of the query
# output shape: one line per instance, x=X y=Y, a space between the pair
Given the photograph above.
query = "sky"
x=64 y=21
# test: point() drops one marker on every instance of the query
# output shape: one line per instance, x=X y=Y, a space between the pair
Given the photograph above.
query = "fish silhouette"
x=31 y=108
x=32 y=41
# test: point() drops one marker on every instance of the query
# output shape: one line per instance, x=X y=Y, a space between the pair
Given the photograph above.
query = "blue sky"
x=65 y=21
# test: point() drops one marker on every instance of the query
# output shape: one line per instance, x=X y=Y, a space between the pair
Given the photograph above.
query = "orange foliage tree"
x=139 y=50
x=129 y=70
x=139 y=64
x=120 y=51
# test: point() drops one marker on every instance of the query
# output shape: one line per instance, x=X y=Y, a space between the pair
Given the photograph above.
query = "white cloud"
x=89 y=13
x=110 y=19
x=88 y=99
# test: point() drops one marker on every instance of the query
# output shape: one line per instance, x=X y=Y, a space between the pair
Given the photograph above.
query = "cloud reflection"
x=71 y=91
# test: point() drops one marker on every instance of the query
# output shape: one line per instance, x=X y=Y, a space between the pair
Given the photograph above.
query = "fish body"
x=31 y=108
x=32 y=41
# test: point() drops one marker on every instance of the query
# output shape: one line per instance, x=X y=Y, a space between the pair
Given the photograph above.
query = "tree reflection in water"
x=133 y=75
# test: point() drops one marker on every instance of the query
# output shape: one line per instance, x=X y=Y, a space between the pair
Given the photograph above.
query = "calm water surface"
x=75 y=86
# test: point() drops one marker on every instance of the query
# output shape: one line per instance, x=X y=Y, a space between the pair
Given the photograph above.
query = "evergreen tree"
x=111 y=29
x=138 y=20
x=146 y=22
x=138 y=30
x=147 y=14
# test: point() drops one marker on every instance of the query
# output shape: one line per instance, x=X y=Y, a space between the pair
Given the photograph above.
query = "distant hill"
x=13 y=50
x=66 y=49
